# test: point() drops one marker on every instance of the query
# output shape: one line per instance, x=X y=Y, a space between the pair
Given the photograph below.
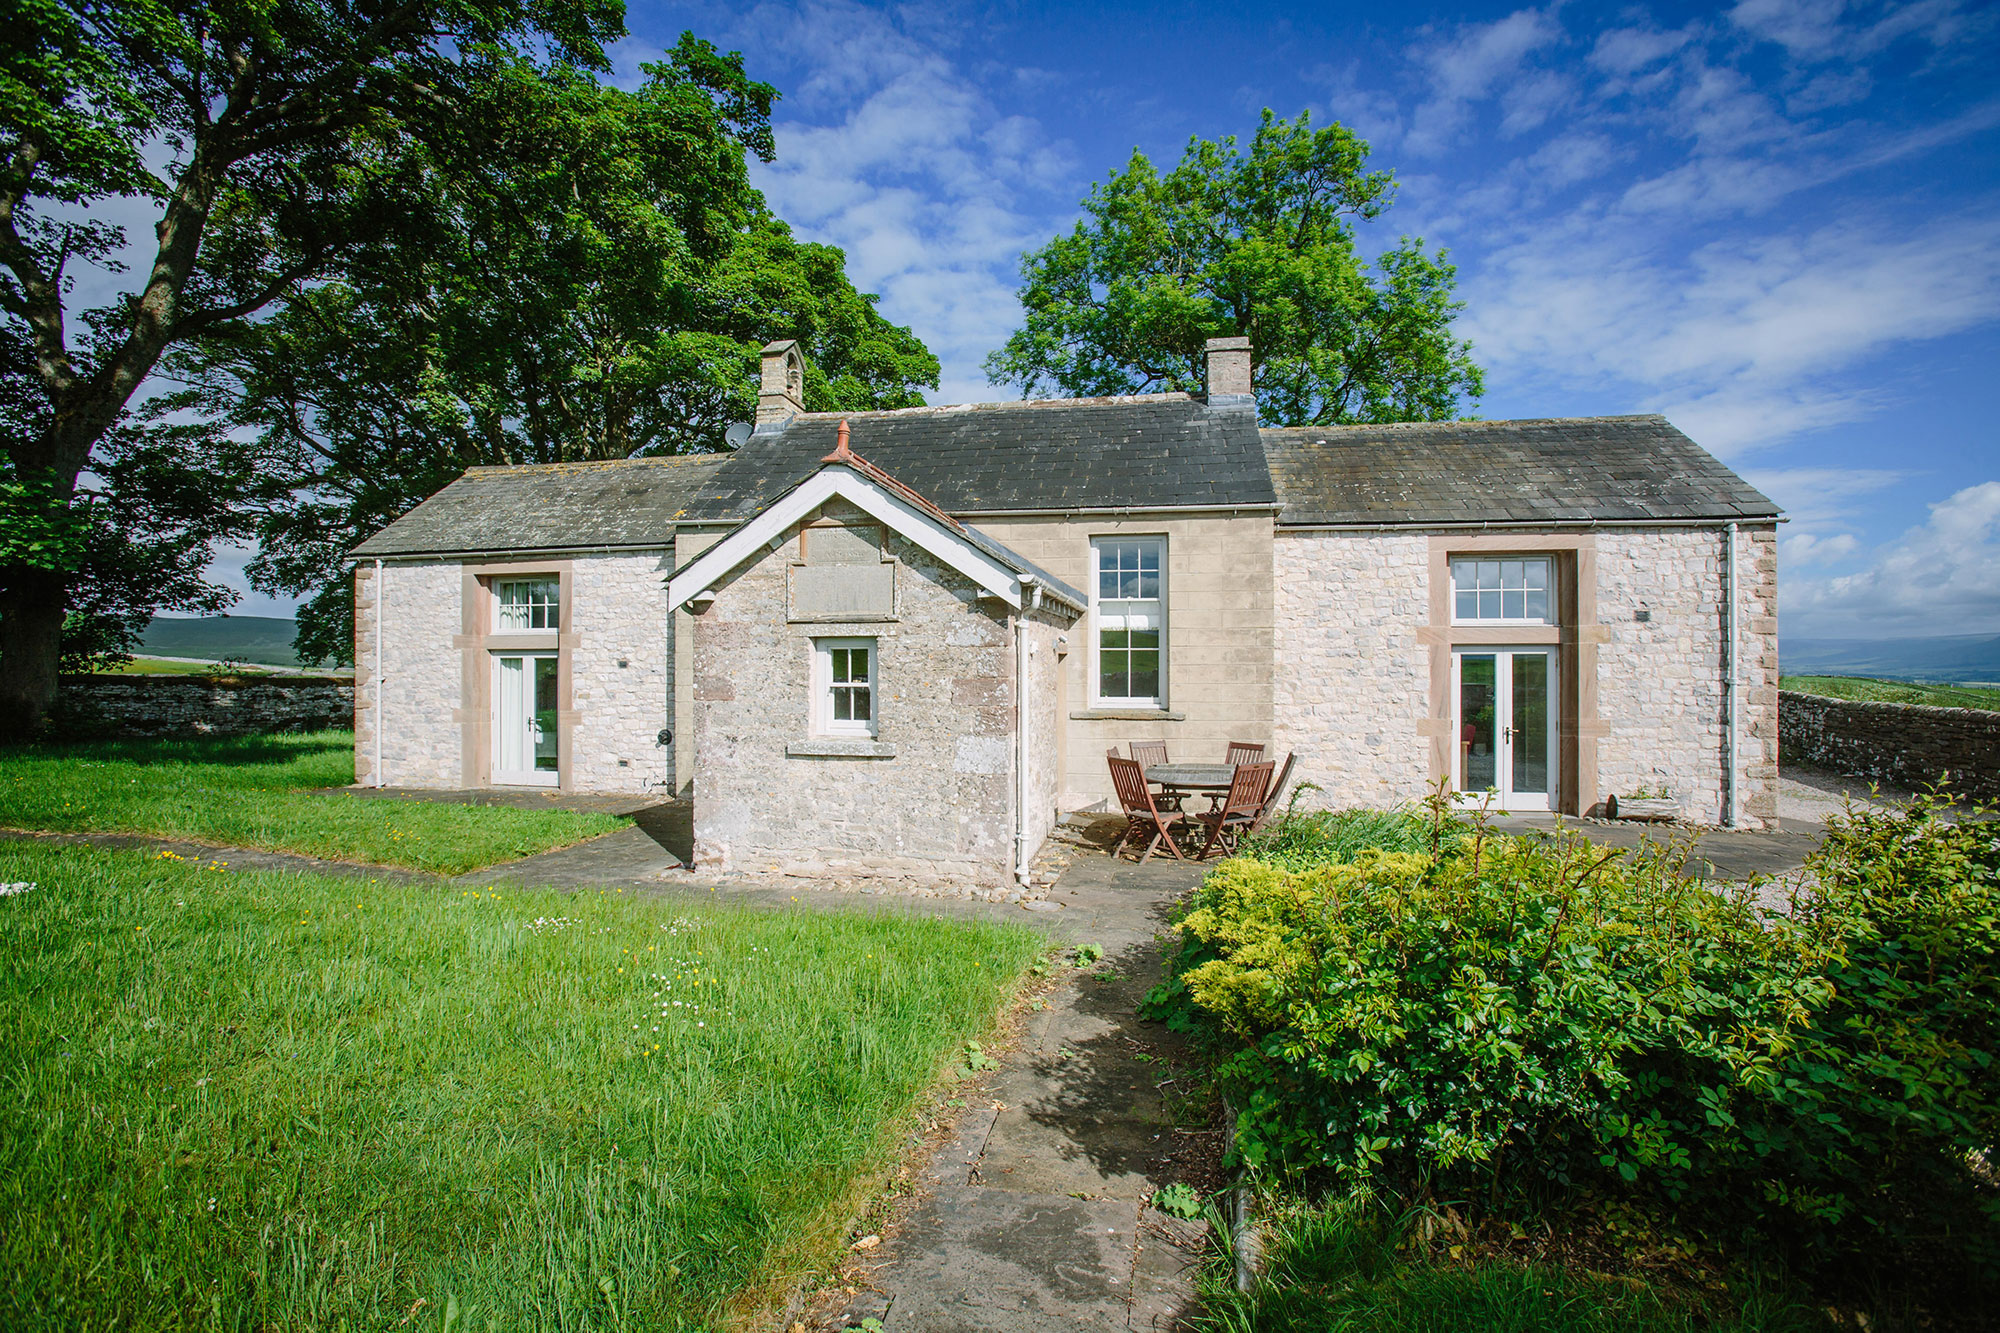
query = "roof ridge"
x=1356 y=426
x=577 y=465
x=1107 y=400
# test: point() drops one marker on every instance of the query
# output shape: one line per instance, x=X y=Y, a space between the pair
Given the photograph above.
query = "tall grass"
x=254 y=791
x=270 y=1101
x=1301 y=839
x=1354 y=1266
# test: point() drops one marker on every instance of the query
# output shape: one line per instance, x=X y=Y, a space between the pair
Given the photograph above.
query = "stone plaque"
x=843 y=592
x=843 y=544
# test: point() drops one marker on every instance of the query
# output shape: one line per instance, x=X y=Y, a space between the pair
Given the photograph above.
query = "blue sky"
x=1775 y=222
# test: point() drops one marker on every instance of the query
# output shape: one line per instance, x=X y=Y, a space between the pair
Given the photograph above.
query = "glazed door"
x=1505 y=714
x=524 y=720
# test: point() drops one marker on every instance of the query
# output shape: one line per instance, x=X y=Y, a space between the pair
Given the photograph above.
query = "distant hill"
x=264 y=639
x=1944 y=657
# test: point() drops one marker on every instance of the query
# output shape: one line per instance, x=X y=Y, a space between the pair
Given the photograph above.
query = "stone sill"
x=1126 y=715
x=837 y=749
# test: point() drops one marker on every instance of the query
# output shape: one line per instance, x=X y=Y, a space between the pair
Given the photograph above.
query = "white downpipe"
x=381 y=627
x=1732 y=812
x=1031 y=597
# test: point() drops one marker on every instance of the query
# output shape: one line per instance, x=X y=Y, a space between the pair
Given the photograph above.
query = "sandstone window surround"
x=1571 y=629
x=844 y=687
x=482 y=640
x=1128 y=607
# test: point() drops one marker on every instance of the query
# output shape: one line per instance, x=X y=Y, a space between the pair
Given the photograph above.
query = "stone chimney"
x=1229 y=373
x=782 y=394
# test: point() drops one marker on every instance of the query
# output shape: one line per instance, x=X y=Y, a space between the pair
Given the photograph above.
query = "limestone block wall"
x=1907 y=745
x=1351 y=678
x=216 y=705
x=622 y=673
x=1659 y=680
x=1353 y=661
x=938 y=808
x=421 y=676
x=1219 y=637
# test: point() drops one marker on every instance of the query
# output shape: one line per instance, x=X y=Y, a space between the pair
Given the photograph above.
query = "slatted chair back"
x=1227 y=822
x=1147 y=753
x=1128 y=779
x=1246 y=791
x=1143 y=819
x=1276 y=794
x=1243 y=752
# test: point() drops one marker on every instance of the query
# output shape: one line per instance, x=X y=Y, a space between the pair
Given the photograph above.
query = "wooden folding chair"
x=1142 y=816
x=1229 y=821
x=1243 y=752
x=1147 y=753
x=1271 y=798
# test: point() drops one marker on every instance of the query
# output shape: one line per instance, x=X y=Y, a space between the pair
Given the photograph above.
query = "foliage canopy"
x=1263 y=245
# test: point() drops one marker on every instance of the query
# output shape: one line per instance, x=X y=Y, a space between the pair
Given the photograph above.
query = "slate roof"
x=550 y=507
x=1580 y=470
x=1160 y=450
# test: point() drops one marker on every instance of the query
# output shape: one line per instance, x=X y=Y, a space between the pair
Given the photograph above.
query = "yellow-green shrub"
x=1499 y=1012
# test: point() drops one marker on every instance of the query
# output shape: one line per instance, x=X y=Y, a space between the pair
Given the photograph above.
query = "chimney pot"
x=781 y=393
x=1229 y=373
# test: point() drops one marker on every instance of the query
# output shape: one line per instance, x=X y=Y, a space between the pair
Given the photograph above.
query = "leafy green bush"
x=1499 y=1013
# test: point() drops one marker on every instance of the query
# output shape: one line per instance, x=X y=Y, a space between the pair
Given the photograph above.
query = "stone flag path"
x=1034 y=1214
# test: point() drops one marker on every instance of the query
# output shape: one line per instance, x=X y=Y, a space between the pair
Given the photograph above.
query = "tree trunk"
x=31 y=621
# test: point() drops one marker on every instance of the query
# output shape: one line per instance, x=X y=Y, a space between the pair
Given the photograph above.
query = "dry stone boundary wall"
x=1907 y=745
x=212 y=705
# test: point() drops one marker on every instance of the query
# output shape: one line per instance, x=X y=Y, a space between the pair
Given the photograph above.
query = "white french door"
x=1504 y=710
x=524 y=719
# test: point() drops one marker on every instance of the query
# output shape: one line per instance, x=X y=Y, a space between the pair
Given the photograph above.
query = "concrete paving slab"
x=983 y=1258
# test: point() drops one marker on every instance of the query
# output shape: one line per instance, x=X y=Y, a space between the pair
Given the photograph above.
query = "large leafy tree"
x=592 y=277
x=268 y=139
x=1261 y=244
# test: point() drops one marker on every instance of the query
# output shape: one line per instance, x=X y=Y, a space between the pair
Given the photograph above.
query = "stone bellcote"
x=781 y=394
x=1229 y=373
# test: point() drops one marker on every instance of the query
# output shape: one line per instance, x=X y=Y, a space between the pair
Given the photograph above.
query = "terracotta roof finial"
x=841 y=453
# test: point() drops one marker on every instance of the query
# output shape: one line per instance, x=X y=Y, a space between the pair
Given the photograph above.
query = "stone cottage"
x=901 y=642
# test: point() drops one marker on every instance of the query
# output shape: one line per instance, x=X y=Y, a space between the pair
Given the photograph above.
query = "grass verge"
x=252 y=791
x=286 y=1101
x=1869 y=690
x=1354 y=1264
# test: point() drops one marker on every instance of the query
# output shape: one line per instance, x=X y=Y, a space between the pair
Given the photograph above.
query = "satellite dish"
x=737 y=434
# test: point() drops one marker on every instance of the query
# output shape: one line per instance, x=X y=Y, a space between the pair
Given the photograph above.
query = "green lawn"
x=1893 y=691
x=260 y=1101
x=250 y=791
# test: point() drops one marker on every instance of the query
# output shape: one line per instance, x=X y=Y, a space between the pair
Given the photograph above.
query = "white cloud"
x=1944 y=572
x=906 y=162
x=1629 y=50
x=1805 y=549
x=1469 y=67
x=1812 y=30
x=1741 y=342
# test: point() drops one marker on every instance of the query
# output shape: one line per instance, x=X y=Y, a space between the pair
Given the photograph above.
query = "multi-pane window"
x=846 y=669
x=1506 y=589
x=1131 y=619
x=527 y=604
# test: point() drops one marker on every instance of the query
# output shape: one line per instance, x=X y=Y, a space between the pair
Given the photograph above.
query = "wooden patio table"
x=1211 y=780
